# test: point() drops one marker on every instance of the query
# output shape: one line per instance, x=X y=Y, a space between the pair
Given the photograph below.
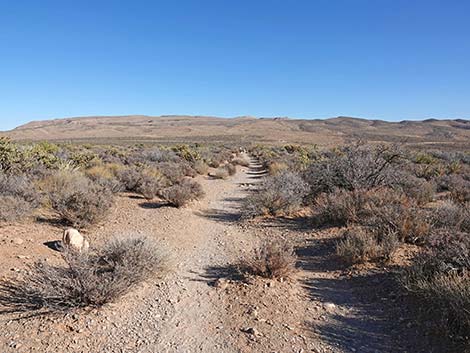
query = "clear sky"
x=388 y=59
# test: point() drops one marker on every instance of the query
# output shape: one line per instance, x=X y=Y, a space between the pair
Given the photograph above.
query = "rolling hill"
x=176 y=128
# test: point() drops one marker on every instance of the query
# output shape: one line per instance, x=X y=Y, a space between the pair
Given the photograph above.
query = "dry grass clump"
x=106 y=176
x=89 y=279
x=76 y=199
x=440 y=277
x=201 y=167
x=359 y=244
x=282 y=194
x=273 y=259
x=275 y=168
x=18 y=198
x=220 y=173
x=180 y=194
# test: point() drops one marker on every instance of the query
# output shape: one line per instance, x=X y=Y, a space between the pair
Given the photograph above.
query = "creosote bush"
x=180 y=194
x=91 y=279
x=76 y=199
x=282 y=194
x=274 y=258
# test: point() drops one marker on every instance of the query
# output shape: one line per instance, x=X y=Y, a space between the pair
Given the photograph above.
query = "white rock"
x=73 y=239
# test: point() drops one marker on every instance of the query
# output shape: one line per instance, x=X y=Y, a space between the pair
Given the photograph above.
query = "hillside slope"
x=202 y=128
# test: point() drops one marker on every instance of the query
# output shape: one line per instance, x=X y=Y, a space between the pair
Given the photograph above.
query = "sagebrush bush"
x=106 y=176
x=274 y=258
x=201 y=167
x=220 y=173
x=359 y=244
x=18 y=197
x=276 y=168
x=382 y=209
x=440 y=276
x=282 y=194
x=88 y=279
x=459 y=188
x=150 y=184
x=180 y=194
x=76 y=199
x=351 y=168
x=452 y=215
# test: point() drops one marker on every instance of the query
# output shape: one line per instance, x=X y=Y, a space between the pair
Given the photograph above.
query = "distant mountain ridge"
x=245 y=128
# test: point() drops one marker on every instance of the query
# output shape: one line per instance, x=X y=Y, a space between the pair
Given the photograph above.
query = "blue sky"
x=388 y=59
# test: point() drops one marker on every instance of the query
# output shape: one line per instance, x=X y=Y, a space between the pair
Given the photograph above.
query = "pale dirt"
x=186 y=312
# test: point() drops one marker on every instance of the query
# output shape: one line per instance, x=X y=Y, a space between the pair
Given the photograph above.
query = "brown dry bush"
x=18 y=198
x=452 y=215
x=150 y=184
x=359 y=244
x=382 y=209
x=440 y=277
x=76 y=199
x=282 y=194
x=201 y=167
x=180 y=194
x=89 y=279
x=220 y=173
x=276 y=167
x=274 y=259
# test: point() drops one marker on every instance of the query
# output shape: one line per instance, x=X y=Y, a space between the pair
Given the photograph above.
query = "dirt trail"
x=186 y=313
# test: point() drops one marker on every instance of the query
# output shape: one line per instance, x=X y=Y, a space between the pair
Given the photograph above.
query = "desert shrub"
x=220 y=173
x=175 y=172
x=359 y=244
x=106 y=176
x=281 y=194
x=351 y=168
x=381 y=209
x=187 y=153
x=272 y=259
x=339 y=207
x=440 y=276
x=240 y=161
x=150 y=183
x=201 y=167
x=452 y=215
x=130 y=178
x=231 y=169
x=276 y=167
x=18 y=197
x=91 y=279
x=76 y=199
x=417 y=188
x=213 y=163
x=180 y=194
x=459 y=188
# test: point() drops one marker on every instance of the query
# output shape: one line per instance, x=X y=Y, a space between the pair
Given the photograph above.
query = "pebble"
x=17 y=241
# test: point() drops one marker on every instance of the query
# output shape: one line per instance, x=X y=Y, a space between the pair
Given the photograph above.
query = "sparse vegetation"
x=281 y=194
x=180 y=194
x=272 y=259
x=89 y=279
x=76 y=199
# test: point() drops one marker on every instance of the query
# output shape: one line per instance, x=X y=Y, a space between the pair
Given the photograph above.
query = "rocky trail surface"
x=200 y=306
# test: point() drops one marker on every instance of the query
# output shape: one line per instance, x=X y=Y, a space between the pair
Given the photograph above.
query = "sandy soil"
x=200 y=306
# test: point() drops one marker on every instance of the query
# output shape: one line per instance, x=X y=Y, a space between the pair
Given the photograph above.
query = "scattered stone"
x=221 y=283
x=252 y=331
x=329 y=306
x=17 y=241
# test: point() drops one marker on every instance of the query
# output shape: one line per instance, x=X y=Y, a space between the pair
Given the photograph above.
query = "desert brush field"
x=224 y=247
